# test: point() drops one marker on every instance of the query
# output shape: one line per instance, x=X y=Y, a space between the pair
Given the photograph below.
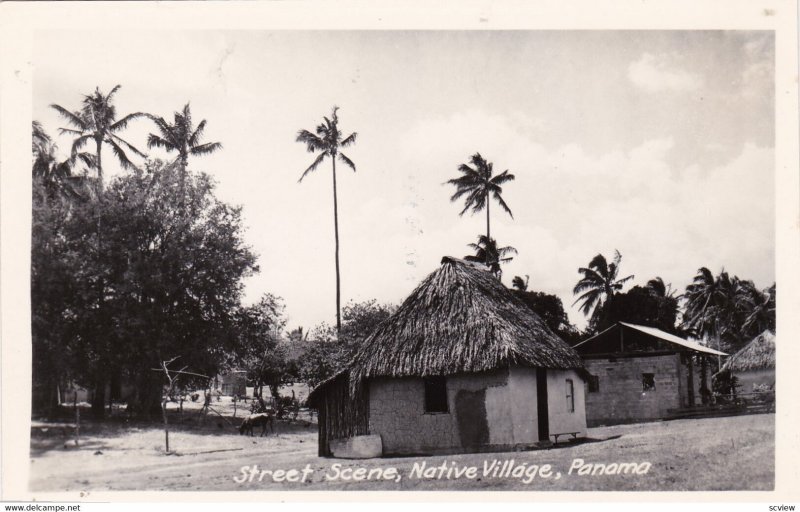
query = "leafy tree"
x=328 y=351
x=599 y=283
x=56 y=194
x=479 y=184
x=171 y=283
x=551 y=310
x=642 y=306
x=259 y=350
x=328 y=141
x=657 y=287
x=325 y=355
x=520 y=284
x=97 y=121
x=488 y=253
x=182 y=137
x=361 y=318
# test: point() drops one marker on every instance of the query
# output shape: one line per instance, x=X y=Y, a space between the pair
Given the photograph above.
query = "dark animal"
x=257 y=420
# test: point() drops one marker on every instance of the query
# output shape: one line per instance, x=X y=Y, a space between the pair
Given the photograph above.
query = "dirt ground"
x=732 y=453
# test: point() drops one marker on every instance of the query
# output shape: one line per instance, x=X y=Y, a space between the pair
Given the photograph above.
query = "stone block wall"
x=621 y=397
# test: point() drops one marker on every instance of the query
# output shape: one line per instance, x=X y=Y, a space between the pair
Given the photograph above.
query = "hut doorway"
x=541 y=404
x=473 y=427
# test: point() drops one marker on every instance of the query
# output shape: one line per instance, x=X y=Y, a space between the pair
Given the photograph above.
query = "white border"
x=20 y=21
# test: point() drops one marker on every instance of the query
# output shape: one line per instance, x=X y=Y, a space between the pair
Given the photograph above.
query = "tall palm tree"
x=181 y=136
x=478 y=184
x=599 y=283
x=97 y=121
x=488 y=253
x=328 y=141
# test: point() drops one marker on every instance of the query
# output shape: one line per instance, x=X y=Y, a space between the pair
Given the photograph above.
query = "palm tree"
x=55 y=176
x=327 y=141
x=478 y=185
x=599 y=283
x=711 y=305
x=758 y=307
x=97 y=120
x=181 y=136
x=520 y=284
x=488 y=253
x=657 y=287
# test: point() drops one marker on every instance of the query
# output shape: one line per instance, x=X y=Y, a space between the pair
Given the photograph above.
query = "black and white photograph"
x=402 y=259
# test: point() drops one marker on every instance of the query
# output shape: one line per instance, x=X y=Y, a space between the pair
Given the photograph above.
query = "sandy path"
x=705 y=454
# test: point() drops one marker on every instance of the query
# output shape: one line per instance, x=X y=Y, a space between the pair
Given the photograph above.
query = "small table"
x=556 y=436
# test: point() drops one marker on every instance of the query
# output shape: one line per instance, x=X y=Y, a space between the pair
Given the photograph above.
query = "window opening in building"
x=570 y=396
x=648 y=382
x=435 y=394
x=594 y=383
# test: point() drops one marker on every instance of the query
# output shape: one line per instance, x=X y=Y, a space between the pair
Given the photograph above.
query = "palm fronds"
x=599 y=282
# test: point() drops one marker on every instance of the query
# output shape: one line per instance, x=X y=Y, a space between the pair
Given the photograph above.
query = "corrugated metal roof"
x=658 y=333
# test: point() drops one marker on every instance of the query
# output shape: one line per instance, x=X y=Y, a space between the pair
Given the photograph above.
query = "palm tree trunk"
x=99 y=166
x=488 y=235
x=336 y=234
x=184 y=163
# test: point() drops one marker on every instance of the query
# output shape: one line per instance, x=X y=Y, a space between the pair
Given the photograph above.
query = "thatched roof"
x=460 y=319
x=759 y=354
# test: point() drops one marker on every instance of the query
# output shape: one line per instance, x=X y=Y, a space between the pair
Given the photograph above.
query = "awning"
x=665 y=336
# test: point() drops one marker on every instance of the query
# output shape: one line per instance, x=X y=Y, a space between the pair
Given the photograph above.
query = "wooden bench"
x=556 y=436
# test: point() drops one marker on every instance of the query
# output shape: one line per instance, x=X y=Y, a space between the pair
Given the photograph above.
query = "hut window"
x=594 y=383
x=570 y=396
x=648 y=382
x=435 y=394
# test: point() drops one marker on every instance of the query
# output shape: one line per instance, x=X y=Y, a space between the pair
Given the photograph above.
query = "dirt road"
x=734 y=453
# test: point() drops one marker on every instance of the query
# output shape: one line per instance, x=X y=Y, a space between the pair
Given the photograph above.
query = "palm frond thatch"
x=759 y=354
x=460 y=319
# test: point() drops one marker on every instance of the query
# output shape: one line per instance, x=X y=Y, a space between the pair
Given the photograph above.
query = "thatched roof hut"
x=460 y=323
x=759 y=354
x=460 y=319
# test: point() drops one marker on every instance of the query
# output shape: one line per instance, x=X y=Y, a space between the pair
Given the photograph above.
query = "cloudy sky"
x=657 y=144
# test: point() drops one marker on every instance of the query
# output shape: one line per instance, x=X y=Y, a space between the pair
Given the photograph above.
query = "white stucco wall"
x=561 y=420
x=524 y=414
x=397 y=410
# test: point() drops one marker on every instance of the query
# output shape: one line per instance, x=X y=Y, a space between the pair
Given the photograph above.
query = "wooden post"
x=691 y=380
x=77 y=419
x=166 y=424
x=172 y=380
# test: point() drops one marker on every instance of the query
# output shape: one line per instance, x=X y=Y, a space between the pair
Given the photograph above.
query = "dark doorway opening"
x=541 y=404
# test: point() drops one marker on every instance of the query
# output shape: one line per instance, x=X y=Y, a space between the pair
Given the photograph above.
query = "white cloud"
x=656 y=73
x=568 y=205
x=758 y=76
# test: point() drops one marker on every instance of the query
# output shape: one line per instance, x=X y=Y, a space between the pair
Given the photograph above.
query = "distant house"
x=233 y=383
x=461 y=366
x=754 y=364
x=640 y=373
